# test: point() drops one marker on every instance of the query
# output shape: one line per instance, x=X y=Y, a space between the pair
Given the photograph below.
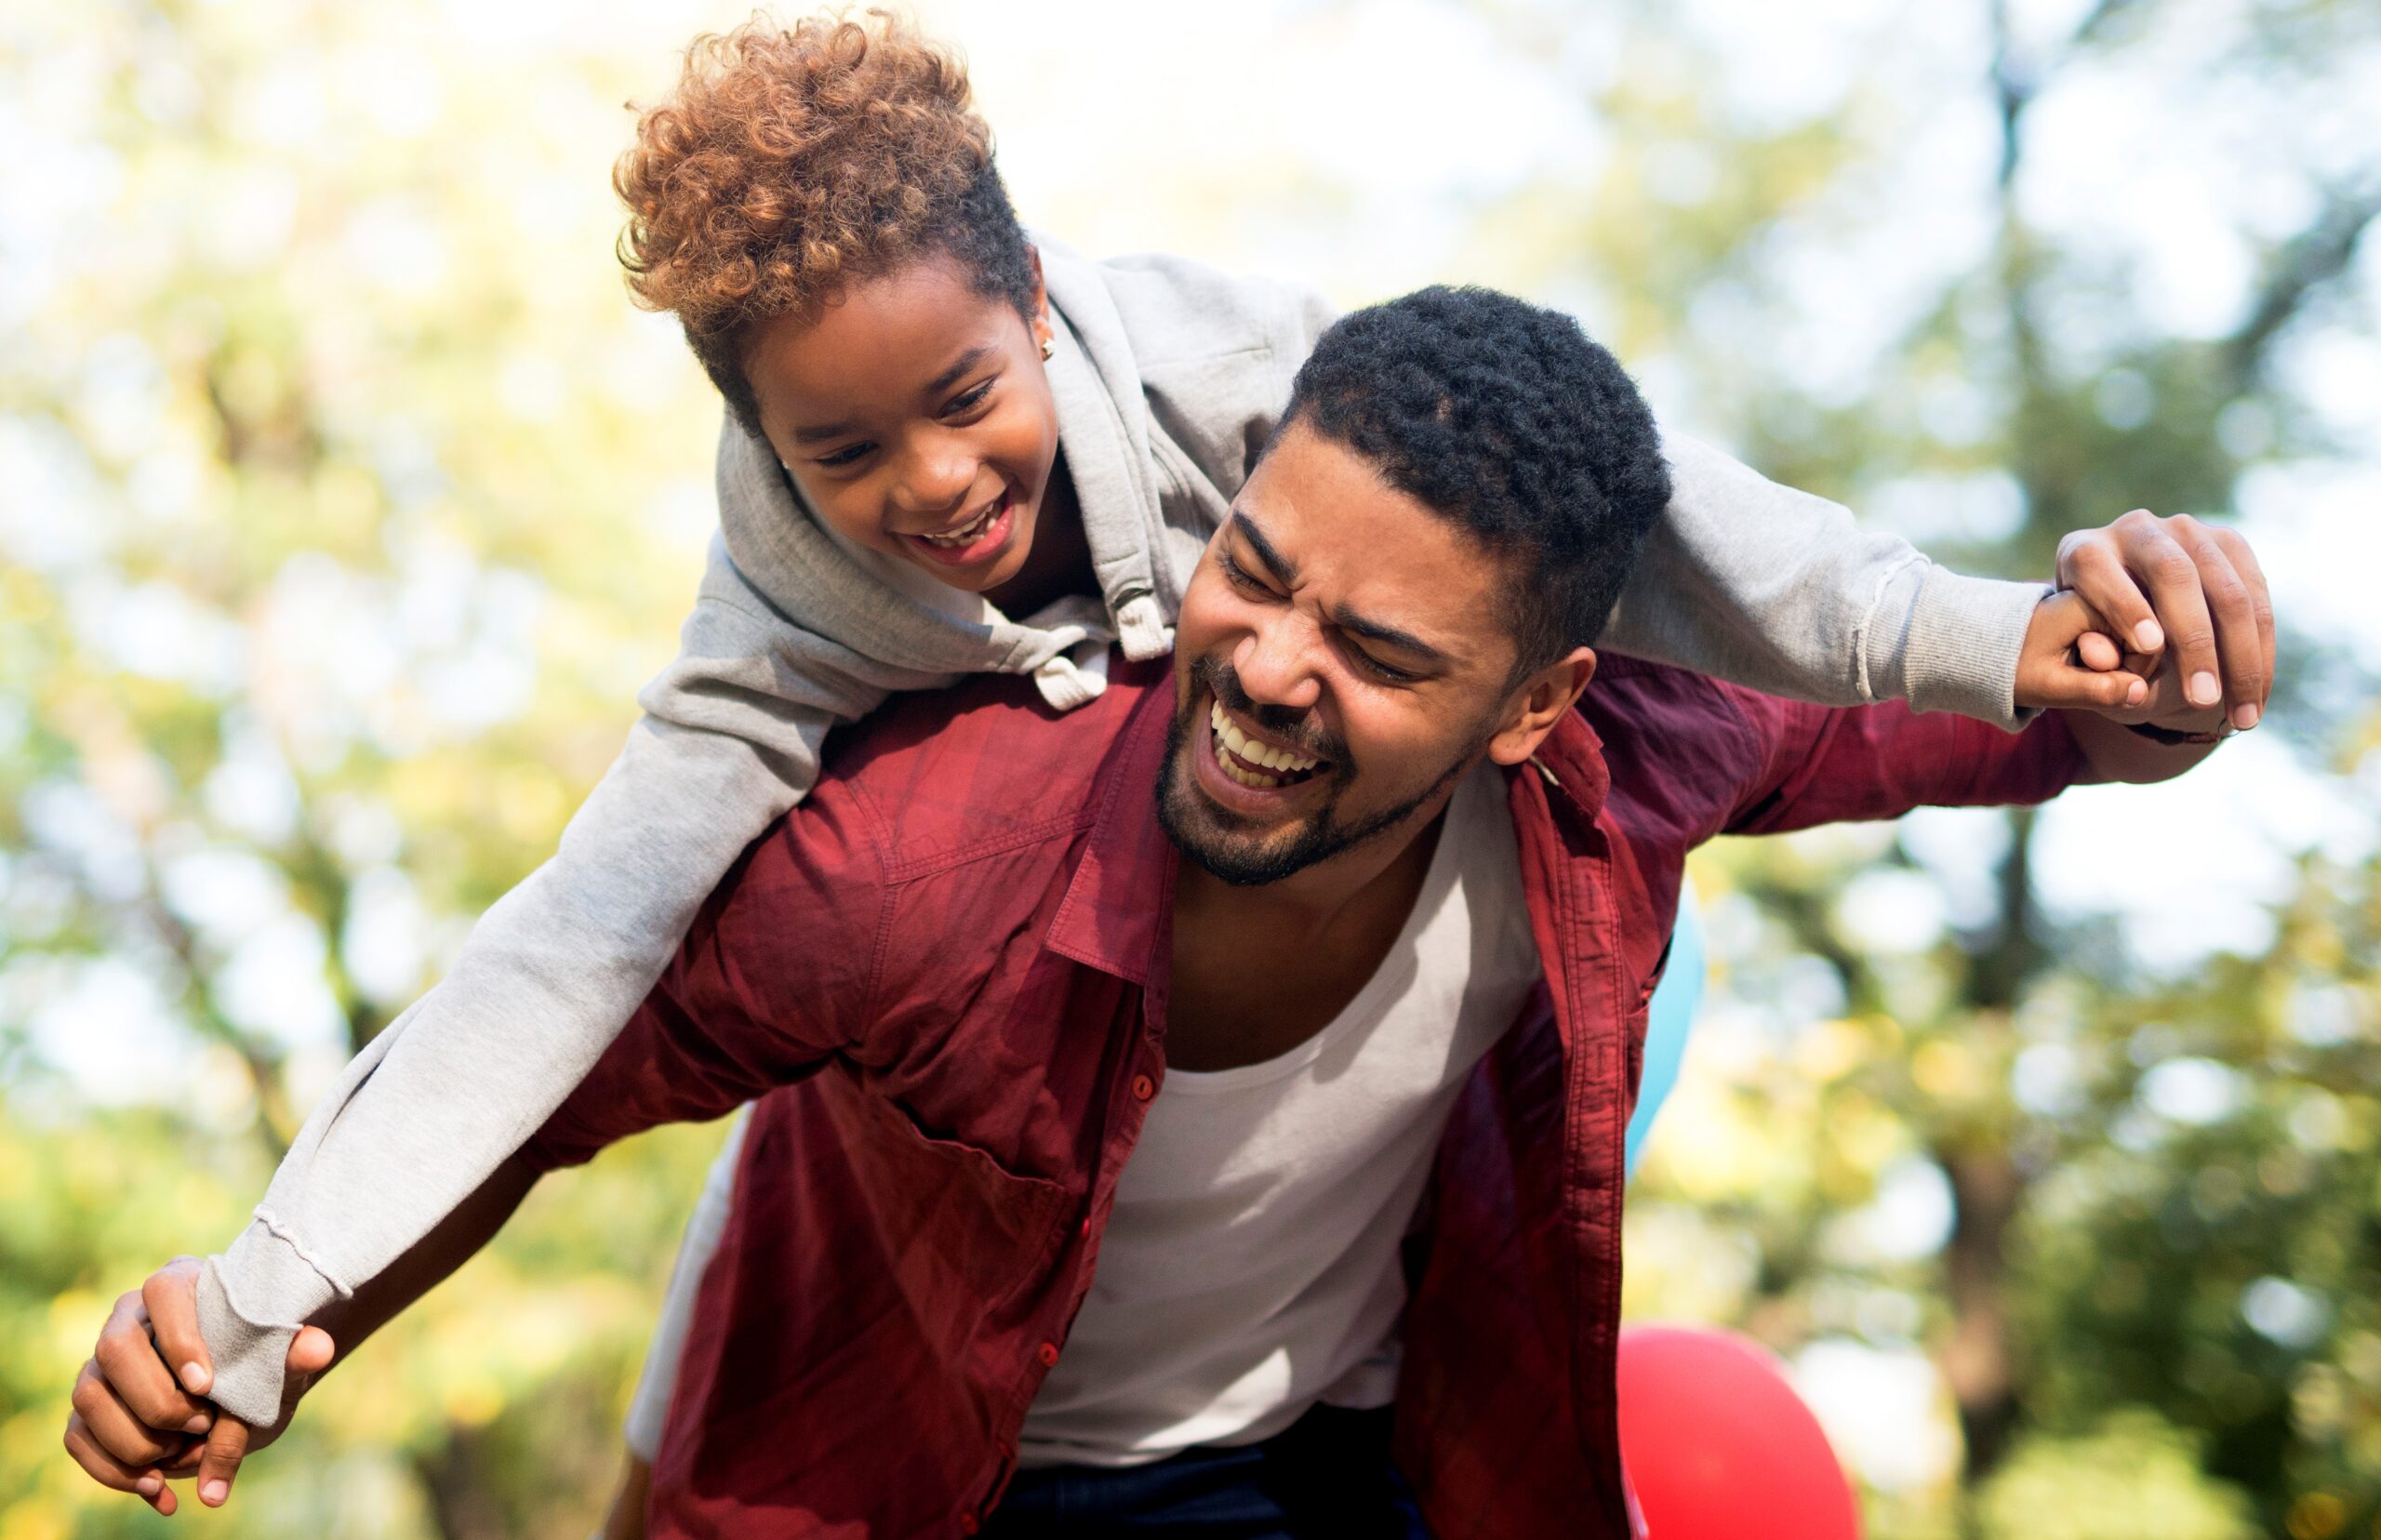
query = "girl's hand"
x=139 y=1417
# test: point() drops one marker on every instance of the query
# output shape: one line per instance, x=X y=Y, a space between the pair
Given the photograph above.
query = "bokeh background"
x=345 y=503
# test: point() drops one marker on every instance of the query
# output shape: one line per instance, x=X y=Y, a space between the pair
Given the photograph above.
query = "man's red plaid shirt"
x=945 y=978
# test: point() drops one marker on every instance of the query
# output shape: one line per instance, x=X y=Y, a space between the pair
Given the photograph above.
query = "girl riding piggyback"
x=950 y=448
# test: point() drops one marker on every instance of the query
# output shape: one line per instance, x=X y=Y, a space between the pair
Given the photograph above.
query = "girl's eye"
x=969 y=401
x=848 y=455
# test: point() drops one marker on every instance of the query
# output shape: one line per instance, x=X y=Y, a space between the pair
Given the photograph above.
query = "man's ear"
x=1538 y=702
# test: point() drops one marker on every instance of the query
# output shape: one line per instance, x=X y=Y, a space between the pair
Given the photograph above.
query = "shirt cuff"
x=1949 y=642
x=251 y=1301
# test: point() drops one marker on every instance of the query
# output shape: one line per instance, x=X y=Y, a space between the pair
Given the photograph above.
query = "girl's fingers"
x=113 y=1473
x=128 y=1359
x=112 y=1423
x=2098 y=652
x=171 y=1295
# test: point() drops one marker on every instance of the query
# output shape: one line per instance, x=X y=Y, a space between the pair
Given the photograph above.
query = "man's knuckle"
x=2095 y=568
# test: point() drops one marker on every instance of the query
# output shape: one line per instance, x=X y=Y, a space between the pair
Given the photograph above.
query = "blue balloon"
x=1669 y=1018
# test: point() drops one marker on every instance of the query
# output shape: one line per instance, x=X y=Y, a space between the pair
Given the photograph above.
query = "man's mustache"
x=1303 y=732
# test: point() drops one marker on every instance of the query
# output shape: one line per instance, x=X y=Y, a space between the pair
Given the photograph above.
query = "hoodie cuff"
x=251 y=1301
x=1947 y=642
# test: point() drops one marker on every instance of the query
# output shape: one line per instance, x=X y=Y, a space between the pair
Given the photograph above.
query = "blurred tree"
x=2026 y=379
x=344 y=505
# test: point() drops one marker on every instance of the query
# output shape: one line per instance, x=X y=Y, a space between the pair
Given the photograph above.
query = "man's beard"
x=1186 y=815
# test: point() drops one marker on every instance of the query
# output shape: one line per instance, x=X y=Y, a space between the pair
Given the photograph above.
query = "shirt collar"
x=1570 y=757
x=1121 y=893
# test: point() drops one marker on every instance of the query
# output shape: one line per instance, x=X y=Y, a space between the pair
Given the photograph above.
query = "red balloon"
x=1718 y=1445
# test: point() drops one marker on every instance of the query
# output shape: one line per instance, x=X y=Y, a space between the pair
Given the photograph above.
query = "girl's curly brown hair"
x=792 y=161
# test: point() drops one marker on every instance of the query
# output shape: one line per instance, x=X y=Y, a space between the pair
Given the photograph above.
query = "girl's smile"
x=913 y=414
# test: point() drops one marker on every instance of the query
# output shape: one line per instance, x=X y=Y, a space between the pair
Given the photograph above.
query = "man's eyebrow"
x=1388 y=636
x=939 y=383
x=1285 y=571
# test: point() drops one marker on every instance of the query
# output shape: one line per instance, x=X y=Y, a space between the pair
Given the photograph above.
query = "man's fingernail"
x=2204 y=689
x=195 y=1379
x=2136 y=693
x=2148 y=637
x=2245 y=717
x=149 y=1486
x=198 y=1424
x=213 y=1493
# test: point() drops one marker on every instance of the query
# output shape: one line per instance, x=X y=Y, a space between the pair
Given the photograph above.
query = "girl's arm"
x=439 y=1100
x=1783 y=592
x=1744 y=579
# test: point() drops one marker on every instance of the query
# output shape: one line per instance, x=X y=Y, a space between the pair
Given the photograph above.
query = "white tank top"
x=1250 y=1268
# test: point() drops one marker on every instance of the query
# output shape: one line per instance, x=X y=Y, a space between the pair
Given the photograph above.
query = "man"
x=1394 y=996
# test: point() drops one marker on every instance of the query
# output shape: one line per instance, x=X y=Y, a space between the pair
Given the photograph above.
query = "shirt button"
x=1049 y=1354
x=1143 y=1087
x=967 y=1524
x=1083 y=1231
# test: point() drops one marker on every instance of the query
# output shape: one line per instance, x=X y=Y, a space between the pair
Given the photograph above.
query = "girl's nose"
x=933 y=479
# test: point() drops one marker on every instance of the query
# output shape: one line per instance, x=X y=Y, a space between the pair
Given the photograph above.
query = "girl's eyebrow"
x=939 y=383
x=959 y=366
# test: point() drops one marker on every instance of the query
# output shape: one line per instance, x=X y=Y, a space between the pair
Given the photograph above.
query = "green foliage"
x=344 y=504
x=2136 y=1479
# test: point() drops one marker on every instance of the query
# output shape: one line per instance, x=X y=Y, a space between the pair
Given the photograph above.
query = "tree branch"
x=2305 y=264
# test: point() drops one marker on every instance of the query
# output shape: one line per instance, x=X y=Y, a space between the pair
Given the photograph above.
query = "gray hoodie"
x=1168 y=379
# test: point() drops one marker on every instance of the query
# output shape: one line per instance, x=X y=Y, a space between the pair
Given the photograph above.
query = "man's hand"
x=2183 y=598
x=138 y=1419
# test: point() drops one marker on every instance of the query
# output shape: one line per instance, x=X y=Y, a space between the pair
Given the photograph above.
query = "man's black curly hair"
x=1504 y=418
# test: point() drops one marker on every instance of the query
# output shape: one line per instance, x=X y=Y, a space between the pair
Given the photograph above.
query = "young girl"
x=947 y=450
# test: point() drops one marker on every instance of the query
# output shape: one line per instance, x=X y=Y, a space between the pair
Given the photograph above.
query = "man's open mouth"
x=1258 y=766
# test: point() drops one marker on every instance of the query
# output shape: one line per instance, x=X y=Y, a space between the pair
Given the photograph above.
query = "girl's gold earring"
x=1049 y=348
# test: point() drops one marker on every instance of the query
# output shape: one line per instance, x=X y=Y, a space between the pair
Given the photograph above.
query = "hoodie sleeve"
x=729 y=740
x=1783 y=592
x=1753 y=582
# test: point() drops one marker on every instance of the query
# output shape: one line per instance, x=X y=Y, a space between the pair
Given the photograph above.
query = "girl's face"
x=913 y=413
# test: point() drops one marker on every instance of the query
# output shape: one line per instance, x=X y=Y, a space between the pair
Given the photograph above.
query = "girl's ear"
x=1045 y=336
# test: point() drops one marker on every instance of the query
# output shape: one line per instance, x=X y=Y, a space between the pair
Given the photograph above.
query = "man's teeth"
x=969 y=531
x=1230 y=741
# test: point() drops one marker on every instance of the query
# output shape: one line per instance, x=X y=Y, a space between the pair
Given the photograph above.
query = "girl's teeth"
x=966 y=531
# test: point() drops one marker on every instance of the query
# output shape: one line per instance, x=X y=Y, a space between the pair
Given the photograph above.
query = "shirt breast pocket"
x=964 y=1234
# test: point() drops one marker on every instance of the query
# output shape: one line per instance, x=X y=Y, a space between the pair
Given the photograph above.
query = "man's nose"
x=1274 y=663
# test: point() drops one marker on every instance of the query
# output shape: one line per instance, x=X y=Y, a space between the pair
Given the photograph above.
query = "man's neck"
x=1258 y=970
